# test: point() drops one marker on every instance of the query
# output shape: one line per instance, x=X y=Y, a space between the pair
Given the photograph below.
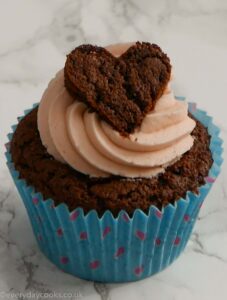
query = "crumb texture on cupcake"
x=67 y=185
x=120 y=89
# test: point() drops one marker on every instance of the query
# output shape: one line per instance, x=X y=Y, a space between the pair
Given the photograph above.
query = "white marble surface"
x=35 y=36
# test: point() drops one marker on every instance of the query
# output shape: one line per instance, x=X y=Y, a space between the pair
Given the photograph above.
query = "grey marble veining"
x=35 y=37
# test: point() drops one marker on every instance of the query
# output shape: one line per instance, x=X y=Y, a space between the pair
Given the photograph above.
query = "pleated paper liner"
x=121 y=249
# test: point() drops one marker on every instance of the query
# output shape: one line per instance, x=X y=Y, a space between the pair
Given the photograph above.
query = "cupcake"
x=111 y=166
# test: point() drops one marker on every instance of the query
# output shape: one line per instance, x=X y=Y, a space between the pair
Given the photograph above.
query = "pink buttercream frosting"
x=75 y=136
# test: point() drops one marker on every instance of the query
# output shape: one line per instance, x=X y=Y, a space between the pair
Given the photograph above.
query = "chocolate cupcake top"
x=64 y=184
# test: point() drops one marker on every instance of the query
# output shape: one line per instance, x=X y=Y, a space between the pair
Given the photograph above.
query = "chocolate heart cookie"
x=120 y=89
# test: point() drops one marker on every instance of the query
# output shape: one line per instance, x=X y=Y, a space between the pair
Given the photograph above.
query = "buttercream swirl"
x=74 y=135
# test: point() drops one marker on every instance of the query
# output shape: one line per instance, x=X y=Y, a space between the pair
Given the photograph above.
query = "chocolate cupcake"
x=111 y=166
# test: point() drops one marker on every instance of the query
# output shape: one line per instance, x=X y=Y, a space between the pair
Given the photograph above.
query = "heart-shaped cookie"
x=120 y=89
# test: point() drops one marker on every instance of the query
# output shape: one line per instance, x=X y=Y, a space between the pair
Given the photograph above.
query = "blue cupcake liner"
x=122 y=248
